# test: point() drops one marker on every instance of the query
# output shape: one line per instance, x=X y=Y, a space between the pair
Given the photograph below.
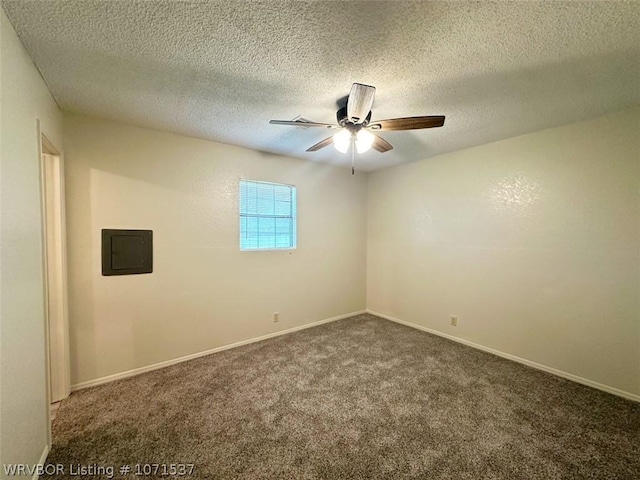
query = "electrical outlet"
x=276 y=317
x=454 y=321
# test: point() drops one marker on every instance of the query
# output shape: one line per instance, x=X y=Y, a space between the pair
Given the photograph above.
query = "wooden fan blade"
x=321 y=144
x=381 y=145
x=408 y=123
x=360 y=102
x=302 y=123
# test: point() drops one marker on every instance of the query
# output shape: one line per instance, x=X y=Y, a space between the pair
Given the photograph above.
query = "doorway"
x=55 y=262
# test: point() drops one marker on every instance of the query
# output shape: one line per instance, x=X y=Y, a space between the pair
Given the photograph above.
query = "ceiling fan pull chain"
x=353 y=155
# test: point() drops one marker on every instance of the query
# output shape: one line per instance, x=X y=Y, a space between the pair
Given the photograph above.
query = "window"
x=267 y=215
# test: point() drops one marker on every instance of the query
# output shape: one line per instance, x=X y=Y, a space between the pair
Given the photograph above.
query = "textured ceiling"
x=221 y=70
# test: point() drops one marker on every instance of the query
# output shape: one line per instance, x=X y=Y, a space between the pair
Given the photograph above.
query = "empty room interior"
x=320 y=239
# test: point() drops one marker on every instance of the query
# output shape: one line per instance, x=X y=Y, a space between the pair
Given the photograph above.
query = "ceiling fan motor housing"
x=343 y=119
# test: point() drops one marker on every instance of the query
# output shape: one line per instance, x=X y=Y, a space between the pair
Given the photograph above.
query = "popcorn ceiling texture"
x=220 y=70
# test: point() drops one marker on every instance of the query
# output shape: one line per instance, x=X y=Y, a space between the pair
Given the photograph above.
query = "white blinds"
x=267 y=215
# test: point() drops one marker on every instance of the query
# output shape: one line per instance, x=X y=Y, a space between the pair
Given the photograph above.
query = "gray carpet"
x=358 y=398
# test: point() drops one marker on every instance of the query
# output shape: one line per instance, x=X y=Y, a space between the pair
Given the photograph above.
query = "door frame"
x=55 y=168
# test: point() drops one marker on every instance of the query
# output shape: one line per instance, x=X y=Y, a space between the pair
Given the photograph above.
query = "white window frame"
x=293 y=216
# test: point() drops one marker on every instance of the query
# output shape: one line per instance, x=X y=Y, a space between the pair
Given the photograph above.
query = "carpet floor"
x=360 y=398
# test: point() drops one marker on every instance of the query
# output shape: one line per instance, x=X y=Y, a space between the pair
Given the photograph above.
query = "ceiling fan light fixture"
x=342 y=140
x=364 y=141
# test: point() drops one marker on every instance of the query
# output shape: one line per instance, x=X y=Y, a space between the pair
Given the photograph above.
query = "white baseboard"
x=539 y=366
x=156 y=366
x=42 y=461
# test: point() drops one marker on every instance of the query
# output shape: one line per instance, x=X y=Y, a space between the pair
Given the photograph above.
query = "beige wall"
x=24 y=99
x=203 y=293
x=534 y=242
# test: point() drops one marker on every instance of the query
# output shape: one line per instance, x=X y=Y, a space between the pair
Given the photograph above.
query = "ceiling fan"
x=355 y=125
